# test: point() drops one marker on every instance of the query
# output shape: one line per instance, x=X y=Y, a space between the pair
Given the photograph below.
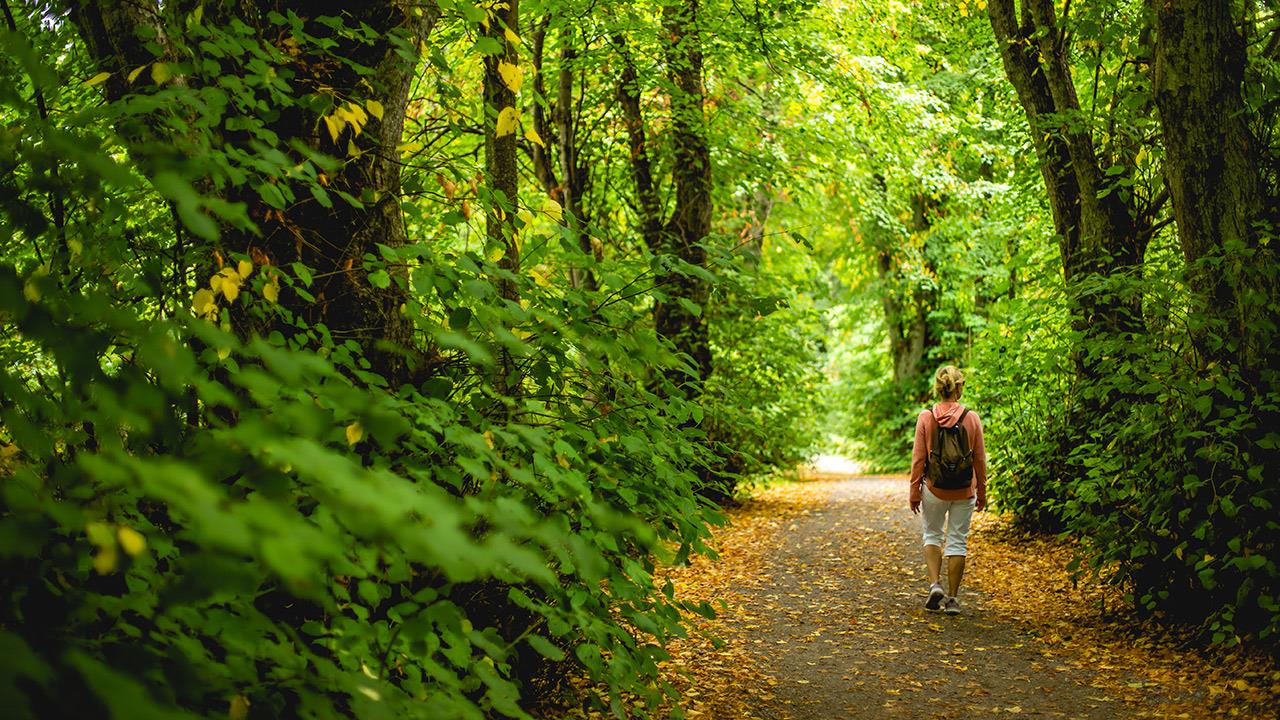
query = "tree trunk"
x=332 y=241
x=906 y=303
x=576 y=175
x=1212 y=171
x=758 y=206
x=501 y=172
x=680 y=315
x=648 y=205
x=1101 y=235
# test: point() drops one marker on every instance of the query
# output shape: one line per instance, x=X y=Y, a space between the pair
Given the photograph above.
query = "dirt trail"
x=834 y=617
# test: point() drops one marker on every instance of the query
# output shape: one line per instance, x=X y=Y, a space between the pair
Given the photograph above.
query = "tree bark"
x=680 y=317
x=905 y=303
x=758 y=207
x=1102 y=236
x=576 y=174
x=1212 y=171
x=649 y=206
x=332 y=241
x=501 y=172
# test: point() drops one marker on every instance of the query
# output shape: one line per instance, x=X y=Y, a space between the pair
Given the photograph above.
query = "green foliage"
x=290 y=430
x=187 y=554
x=1149 y=442
x=227 y=488
x=763 y=404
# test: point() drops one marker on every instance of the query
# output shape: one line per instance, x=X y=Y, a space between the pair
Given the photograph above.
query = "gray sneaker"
x=951 y=606
x=936 y=594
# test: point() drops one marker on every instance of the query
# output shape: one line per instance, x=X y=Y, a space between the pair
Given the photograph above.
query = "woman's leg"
x=933 y=560
x=933 y=516
x=959 y=515
x=955 y=573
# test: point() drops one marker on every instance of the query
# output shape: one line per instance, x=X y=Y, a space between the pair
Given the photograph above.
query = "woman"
x=948 y=499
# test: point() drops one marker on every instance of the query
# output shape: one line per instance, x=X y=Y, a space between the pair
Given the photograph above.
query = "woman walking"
x=948 y=482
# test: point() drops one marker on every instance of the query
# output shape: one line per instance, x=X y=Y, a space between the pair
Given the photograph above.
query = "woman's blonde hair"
x=948 y=382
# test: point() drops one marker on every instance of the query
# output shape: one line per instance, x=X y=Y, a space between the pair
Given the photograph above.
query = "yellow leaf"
x=244 y=268
x=355 y=433
x=554 y=211
x=409 y=147
x=134 y=73
x=532 y=136
x=97 y=79
x=512 y=76
x=106 y=560
x=488 y=438
x=230 y=290
x=224 y=353
x=511 y=36
x=334 y=126
x=375 y=108
x=238 y=709
x=202 y=303
x=353 y=115
x=525 y=216
x=495 y=253
x=131 y=540
x=507 y=120
x=271 y=291
x=160 y=73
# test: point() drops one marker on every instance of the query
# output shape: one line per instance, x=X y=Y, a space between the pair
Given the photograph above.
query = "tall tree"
x=503 y=78
x=564 y=174
x=1213 y=171
x=1102 y=232
x=360 y=84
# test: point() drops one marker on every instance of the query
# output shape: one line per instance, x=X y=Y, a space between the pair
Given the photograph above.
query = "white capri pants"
x=955 y=513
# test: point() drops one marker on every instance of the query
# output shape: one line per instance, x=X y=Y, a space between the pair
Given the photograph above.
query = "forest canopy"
x=373 y=359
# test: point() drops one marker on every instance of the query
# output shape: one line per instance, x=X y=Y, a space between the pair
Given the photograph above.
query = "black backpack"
x=950 y=463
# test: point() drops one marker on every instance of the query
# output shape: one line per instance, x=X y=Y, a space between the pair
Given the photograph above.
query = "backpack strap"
x=961 y=418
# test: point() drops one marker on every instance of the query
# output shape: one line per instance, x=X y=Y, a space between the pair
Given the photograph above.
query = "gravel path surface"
x=838 y=619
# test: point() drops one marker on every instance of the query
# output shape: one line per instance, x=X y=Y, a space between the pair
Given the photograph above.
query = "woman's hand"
x=915 y=507
x=981 y=503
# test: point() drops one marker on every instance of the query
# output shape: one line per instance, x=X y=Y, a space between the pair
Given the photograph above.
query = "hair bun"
x=948 y=382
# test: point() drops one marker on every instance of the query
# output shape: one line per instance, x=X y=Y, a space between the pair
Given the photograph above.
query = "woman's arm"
x=919 y=451
x=980 y=463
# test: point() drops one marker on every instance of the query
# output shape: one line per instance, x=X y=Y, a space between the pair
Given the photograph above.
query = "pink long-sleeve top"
x=948 y=413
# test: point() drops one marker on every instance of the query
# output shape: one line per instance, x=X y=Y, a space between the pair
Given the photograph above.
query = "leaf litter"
x=819 y=588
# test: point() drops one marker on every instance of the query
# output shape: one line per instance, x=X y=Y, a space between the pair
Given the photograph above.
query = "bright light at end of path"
x=835 y=465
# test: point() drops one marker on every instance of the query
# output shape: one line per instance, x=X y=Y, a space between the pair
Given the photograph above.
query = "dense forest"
x=373 y=359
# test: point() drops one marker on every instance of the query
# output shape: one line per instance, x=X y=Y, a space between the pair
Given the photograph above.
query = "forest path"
x=825 y=618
